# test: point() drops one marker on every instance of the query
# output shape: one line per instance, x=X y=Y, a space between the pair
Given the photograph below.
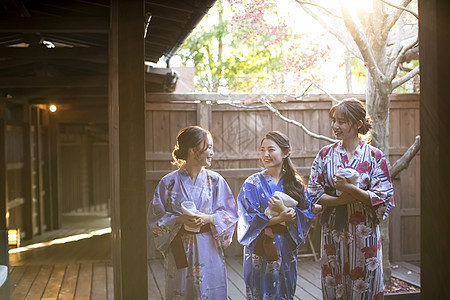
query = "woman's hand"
x=276 y=204
x=207 y=219
x=288 y=215
x=191 y=221
x=341 y=183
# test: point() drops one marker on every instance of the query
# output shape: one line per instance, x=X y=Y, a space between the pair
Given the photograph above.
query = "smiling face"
x=271 y=154
x=204 y=152
x=342 y=128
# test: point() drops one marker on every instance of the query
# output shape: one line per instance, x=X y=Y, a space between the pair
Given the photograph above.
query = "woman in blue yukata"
x=270 y=229
x=351 y=243
x=192 y=217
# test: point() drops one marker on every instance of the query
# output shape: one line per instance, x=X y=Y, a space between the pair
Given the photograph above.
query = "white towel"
x=287 y=201
x=188 y=208
x=351 y=174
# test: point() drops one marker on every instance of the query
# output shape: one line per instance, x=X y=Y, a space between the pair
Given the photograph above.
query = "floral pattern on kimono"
x=266 y=279
x=351 y=243
x=205 y=277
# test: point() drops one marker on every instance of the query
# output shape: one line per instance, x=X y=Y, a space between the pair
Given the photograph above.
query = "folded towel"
x=188 y=208
x=287 y=201
x=351 y=174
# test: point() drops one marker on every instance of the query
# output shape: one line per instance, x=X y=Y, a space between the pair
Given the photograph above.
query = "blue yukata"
x=266 y=279
x=205 y=276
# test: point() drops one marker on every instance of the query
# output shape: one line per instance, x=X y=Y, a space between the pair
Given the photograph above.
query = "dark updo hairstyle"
x=292 y=182
x=354 y=111
x=187 y=138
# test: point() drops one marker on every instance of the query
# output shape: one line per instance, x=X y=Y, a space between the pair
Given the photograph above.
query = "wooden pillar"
x=204 y=115
x=4 y=257
x=3 y=177
x=53 y=151
x=434 y=43
x=127 y=149
x=28 y=212
x=36 y=120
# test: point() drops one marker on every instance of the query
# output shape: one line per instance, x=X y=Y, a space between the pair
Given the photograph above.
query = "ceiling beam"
x=51 y=82
x=35 y=93
x=96 y=54
x=65 y=25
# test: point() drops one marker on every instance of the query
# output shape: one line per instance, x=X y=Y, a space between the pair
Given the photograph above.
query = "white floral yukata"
x=351 y=243
x=205 y=276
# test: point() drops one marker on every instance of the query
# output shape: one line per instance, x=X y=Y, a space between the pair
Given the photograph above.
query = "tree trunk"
x=377 y=103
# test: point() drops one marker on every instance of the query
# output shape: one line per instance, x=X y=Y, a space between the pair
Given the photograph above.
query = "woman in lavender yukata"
x=194 y=261
x=351 y=243
x=270 y=252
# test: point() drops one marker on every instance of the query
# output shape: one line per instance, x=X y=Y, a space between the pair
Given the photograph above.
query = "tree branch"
x=362 y=44
x=402 y=8
x=403 y=162
x=318 y=5
x=392 y=19
x=400 y=57
x=335 y=29
x=298 y=124
x=398 y=82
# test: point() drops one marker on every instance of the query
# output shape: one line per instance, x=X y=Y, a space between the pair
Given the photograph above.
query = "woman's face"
x=271 y=154
x=204 y=157
x=342 y=128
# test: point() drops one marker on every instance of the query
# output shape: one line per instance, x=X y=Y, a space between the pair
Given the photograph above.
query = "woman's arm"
x=352 y=190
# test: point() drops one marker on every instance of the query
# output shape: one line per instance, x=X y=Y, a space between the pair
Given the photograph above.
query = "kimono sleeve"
x=316 y=181
x=299 y=229
x=251 y=220
x=161 y=221
x=381 y=191
x=224 y=214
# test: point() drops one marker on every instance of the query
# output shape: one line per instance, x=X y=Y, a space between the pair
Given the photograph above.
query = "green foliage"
x=239 y=48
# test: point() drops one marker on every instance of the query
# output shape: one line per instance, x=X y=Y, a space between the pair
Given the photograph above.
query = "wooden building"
x=87 y=58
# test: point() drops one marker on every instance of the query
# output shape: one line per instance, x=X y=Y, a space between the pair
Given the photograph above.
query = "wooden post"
x=127 y=149
x=3 y=177
x=435 y=144
x=28 y=214
x=53 y=150
x=204 y=115
x=4 y=257
x=36 y=120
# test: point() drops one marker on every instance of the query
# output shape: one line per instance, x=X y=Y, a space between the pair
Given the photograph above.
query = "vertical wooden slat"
x=83 y=289
x=127 y=140
x=54 y=283
x=3 y=170
x=25 y=283
x=39 y=284
x=98 y=290
x=69 y=283
x=27 y=173
x=53 y=148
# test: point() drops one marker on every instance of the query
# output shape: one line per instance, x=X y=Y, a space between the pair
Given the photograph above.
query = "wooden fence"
x=237 y=132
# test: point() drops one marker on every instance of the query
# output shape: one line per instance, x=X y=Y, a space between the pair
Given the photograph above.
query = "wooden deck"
x=82 y=269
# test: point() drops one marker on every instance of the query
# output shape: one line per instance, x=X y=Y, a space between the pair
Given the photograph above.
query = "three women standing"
x=269 y=230
x=192 y=217
x=351 y=243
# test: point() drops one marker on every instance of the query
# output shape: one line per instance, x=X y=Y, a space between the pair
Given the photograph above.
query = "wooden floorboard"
x=82 y=270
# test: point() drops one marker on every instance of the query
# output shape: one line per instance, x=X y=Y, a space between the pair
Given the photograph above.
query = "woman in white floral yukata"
x=351 y=243
x=192 y=217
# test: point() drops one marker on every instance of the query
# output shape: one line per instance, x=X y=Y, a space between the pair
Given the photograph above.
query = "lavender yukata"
x=205 y=277
x=351 y=243
x=269 y=279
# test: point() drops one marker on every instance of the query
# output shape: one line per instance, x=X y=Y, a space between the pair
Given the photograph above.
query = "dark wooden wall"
x=27 y=160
